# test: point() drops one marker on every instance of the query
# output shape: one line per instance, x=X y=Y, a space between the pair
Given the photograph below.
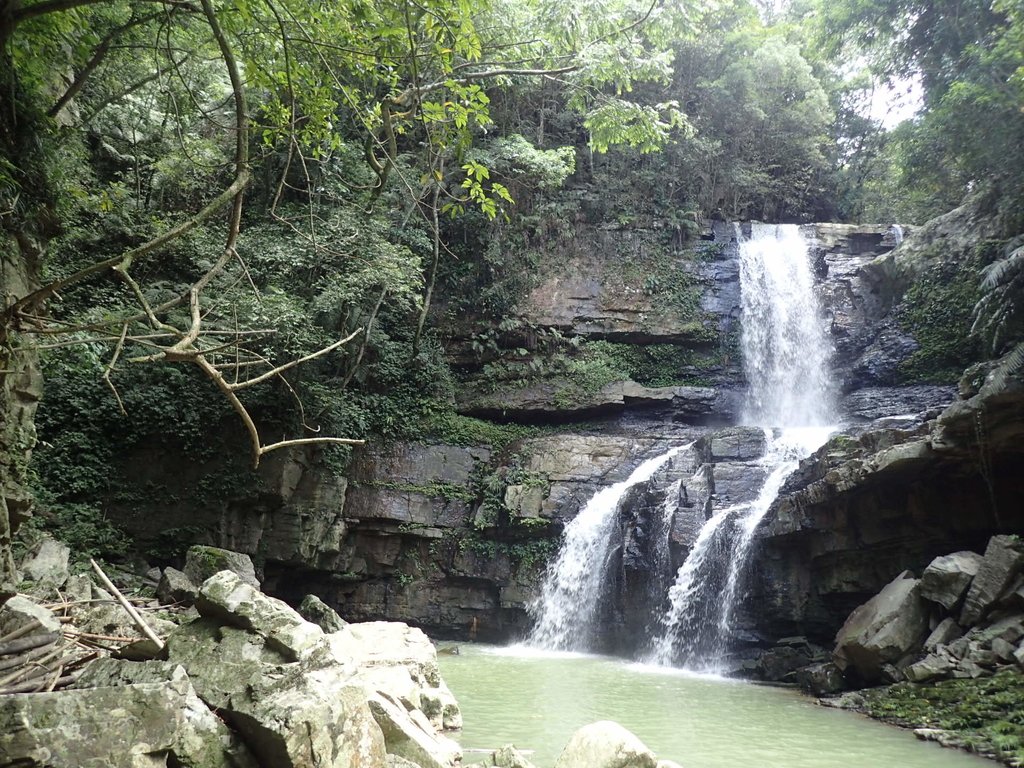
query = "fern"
x=997 y=314
x=1009 y=365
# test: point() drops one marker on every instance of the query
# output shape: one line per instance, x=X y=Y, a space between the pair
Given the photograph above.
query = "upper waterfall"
x=786 y=355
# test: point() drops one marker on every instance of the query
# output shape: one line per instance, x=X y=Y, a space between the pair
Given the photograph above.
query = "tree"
x=179 y=105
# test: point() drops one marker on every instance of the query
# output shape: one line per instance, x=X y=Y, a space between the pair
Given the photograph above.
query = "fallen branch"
x=136 y=617
x=27 y=643
x=34 y=687
x=24 y=658
x=32 y=626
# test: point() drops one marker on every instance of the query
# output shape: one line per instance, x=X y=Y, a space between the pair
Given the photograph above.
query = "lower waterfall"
x=567 y=605
x=696 y=627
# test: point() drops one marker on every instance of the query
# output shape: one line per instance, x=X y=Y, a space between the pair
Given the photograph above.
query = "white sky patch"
x=892 y=104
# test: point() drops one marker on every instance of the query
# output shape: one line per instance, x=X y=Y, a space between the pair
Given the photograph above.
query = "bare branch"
x=110 y=367
x=310 y=441
x=282 y=368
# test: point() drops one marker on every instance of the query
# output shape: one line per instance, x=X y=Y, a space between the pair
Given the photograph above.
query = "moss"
x=938 y=312
x=985 y=714
x=465 y=431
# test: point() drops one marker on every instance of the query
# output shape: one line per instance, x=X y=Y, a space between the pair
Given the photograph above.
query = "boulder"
x=1004 y=650
x=48 y=567
x=160 y=723
x=883 y=630
x=315 y=610
x=946 y=632
x=1004 y=557
x=399 y=661
x=605 y=744
x=175 y=587
x=509 y=757
x=19 y=611
x=410 y=737
x=227 y=598
x=946 y=579
x=202 y=562
x=931 y=667
x=821 y=679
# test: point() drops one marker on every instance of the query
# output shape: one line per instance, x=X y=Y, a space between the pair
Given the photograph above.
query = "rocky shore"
x=223 y=676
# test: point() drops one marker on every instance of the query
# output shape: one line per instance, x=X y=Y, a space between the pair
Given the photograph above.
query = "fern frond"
x=1012 y=363
x=1004 y=270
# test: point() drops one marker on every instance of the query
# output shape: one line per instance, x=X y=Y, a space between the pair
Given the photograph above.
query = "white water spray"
x=568 y=602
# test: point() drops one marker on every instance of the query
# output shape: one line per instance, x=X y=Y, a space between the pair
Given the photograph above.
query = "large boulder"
x=227 y=598
x=315 y=610
x=605 y=744
x=202 y=562
x=161 y=723
x=48 y=567
x=882 y=631
x=303 y=697
x=175 y=587
x=1004 y=558
x=946 y=579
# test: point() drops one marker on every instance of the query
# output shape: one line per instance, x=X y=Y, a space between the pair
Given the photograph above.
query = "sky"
x=896 y=103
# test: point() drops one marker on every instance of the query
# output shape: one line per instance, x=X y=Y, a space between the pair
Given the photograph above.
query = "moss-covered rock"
x=983 y=715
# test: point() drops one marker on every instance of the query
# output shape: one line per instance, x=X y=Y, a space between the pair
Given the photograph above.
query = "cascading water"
x=786 y=354
x=565 y=612
x=786 y=359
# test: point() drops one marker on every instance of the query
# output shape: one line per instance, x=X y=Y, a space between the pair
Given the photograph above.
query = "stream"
x=536 y=699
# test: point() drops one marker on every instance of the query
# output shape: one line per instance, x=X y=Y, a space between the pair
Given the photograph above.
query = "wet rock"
x=946 y=579
x=315 y=610
x=202 y=562
x=48 y=566
x=509 y=757
x=821 y=679
x=605 y=744
x=738 y=444
x=175 y=587
x=883 y=630
x=736 y=483
x=879 y=364
x=1004 y=557
x=785 y=659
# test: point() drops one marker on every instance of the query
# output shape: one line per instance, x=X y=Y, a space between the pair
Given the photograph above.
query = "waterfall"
x=565 y=611
x=786 y=358
x=786 y=355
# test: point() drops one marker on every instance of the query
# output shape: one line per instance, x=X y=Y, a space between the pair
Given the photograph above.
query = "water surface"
x=536 y=699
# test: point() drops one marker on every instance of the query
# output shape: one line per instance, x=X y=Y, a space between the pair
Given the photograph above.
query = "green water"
x=536 y=701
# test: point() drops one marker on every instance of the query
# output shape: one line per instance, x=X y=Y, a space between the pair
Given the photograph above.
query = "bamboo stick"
x=139 y=621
